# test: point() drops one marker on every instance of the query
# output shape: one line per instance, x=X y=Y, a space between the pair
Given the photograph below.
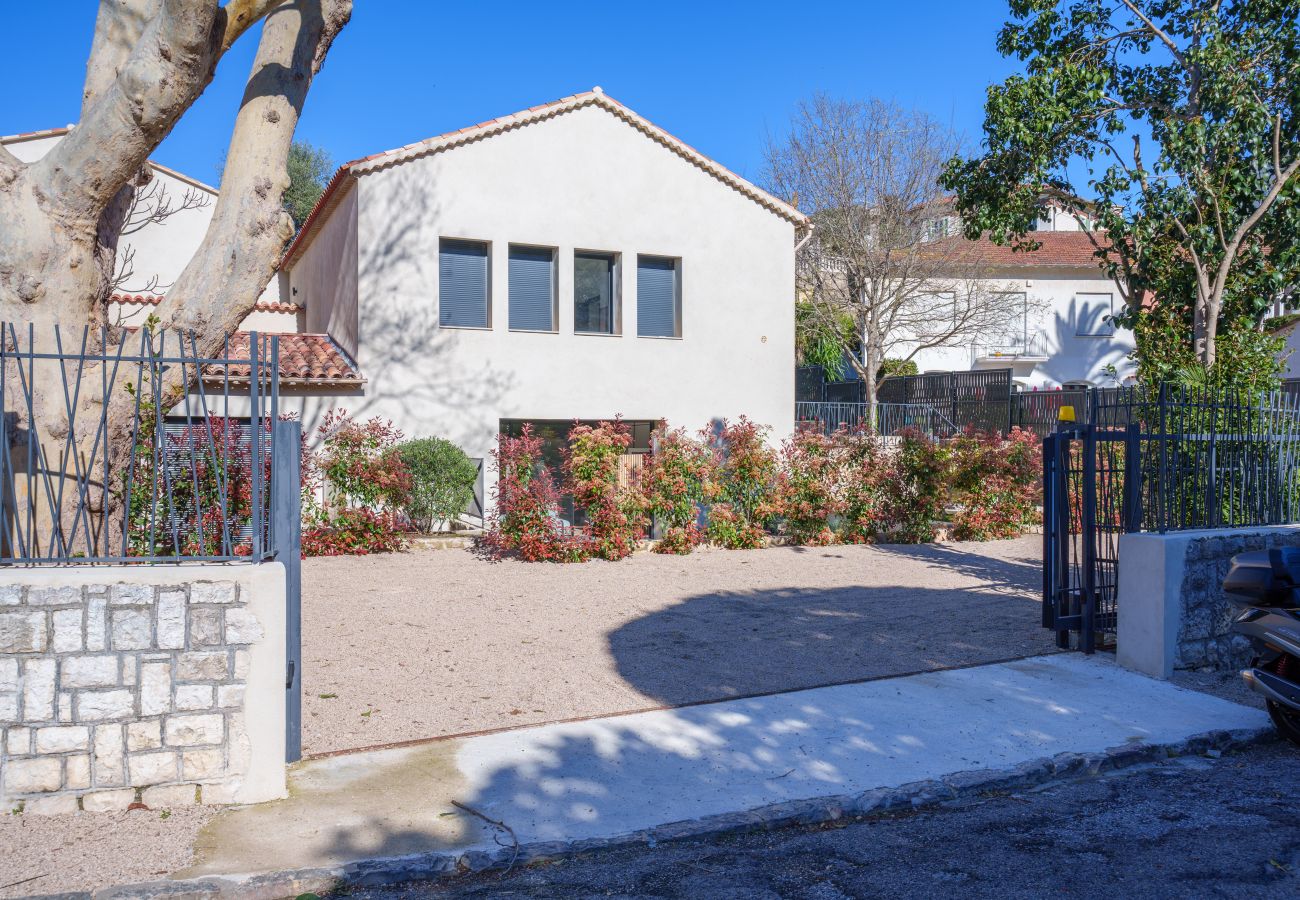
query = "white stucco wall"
x=581 y=180
x=1054 y=320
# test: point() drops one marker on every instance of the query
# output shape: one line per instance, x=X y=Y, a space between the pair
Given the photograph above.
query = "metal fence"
x=133 y=446
x=890 y=418
x=1160 y=460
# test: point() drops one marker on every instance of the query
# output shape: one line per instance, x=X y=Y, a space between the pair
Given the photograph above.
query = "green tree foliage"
x=1173 y=125
x=309 y=171
x=819 y=342
x=442 y=481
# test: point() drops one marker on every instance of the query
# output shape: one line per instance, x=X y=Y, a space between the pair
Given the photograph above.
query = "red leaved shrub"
x=997 y=482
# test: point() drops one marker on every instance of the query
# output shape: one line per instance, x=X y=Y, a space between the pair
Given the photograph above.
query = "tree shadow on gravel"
x=1018 y=573
x=728 y=644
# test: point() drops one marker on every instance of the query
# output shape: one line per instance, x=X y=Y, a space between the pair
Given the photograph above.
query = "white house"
x=1062 y=335
x=568 y=262
x=162 y=232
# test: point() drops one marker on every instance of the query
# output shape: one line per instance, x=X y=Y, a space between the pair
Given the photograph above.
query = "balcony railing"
x=1011 y=348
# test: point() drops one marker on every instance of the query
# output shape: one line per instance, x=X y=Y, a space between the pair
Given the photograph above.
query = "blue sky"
x=720 y=76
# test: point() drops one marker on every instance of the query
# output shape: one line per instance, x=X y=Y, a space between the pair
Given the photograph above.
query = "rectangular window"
x=463 y=283
x=595 y=293
x=1092 y=314
x=658 y=297
x=532 y=288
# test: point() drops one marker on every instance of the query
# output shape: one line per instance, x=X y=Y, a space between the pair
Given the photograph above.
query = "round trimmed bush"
x=442 y=481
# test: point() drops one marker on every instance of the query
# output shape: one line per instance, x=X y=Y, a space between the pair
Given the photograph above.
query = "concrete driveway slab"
x=605 y=779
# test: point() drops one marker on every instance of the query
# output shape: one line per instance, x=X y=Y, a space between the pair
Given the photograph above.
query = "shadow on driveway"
x=727 y=644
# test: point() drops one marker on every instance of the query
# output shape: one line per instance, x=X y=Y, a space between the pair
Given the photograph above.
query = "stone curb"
x=916 y=795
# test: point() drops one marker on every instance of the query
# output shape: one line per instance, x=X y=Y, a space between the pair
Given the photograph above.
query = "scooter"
x=1265 y=584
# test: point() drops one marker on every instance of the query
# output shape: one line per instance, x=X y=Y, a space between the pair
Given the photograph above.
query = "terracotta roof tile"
x=155 y=299
x=303 y=357
x=1061 y=249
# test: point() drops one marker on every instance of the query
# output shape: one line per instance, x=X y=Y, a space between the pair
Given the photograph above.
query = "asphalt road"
x=1226 y=827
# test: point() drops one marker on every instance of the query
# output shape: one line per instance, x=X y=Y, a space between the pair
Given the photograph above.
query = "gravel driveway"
x=427 y=643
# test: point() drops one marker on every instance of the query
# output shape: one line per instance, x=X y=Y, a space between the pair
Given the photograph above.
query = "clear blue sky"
x=720 y=76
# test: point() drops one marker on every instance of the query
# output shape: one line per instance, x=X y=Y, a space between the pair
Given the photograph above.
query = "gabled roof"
x=60 y=132
x=379 y=161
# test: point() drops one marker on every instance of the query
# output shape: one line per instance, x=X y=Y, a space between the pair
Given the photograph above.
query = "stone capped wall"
x=128 y=688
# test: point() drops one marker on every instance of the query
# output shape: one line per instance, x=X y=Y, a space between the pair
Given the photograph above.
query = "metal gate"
x=1092 y=484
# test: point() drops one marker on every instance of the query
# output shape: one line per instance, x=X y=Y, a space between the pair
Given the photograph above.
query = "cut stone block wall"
x=1172 y=612
x=152 y=683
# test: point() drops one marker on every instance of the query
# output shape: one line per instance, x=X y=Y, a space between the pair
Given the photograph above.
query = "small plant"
x=442 y=481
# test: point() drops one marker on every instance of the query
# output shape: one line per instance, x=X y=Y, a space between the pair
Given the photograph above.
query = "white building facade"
x=1062 y=335
x=570 y=262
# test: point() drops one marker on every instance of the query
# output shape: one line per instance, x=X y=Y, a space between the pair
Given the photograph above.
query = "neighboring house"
x=569 y=262
x=167 y=223
x=1063 y=335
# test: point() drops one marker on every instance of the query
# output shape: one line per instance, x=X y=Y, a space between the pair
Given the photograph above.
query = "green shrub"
x=442 y=481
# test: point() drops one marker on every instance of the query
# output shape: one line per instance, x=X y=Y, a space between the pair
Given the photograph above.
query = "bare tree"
x=867 y=174
x=64 y=213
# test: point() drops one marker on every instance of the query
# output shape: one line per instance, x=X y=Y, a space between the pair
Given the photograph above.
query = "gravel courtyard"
x=428 y=643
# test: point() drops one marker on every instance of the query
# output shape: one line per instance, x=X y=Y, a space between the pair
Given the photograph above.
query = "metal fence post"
x=1132 y=478
x=286 y=531
x=1049 y=530
x=1088 y=537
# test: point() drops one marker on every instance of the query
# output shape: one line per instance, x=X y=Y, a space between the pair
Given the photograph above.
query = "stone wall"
x=1172 y=611
x=150 y=683
x=1205 y=628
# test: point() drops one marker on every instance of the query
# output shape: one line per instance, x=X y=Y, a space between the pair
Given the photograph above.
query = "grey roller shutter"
x=463 y=283
x=532 y=289
x=656 y=297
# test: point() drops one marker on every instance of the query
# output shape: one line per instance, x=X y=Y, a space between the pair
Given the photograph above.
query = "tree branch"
x=170 y=64
x=118 y=28
x=1157 y=31
x=249 y=227
x=240 y=16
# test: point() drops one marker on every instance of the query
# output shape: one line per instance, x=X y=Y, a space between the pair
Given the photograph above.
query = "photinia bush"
x=915 y=490
x=355 y=531
x=591 y=468
x=997 y=482
x=360 y=468
x=867 y=469
x=675 y=481
x=526 y=508
x=680 y=539
x=811 y=486
x=727 y=528
x=360 y=461
x=204 y=496
x=746 y=477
